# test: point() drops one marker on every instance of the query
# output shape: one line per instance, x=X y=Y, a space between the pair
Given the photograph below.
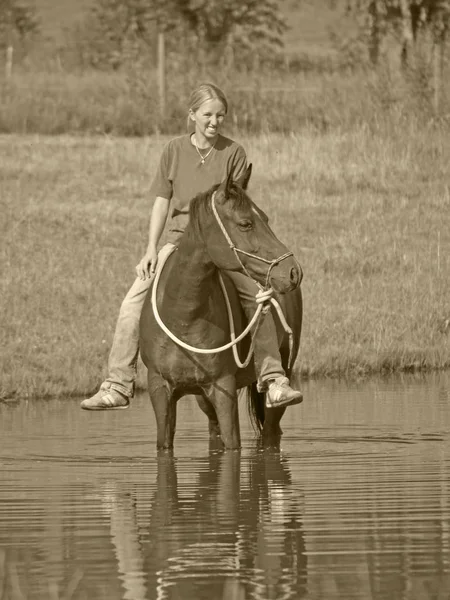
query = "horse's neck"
x=188 y=286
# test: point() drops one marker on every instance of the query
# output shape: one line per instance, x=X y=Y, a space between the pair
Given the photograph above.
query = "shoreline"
x=351 y=380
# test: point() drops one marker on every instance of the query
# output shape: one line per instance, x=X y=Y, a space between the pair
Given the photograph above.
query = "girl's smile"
x=208 y=119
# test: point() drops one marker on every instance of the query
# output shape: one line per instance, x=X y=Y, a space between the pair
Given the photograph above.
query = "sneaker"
x=106 y=399
x=280 y=393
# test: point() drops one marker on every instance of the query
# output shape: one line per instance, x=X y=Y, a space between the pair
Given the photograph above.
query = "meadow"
x=366 y=212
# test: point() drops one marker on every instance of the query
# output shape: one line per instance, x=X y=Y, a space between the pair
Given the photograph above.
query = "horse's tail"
x=256 y=407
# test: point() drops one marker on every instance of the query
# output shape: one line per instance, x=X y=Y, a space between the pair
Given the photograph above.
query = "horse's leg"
x=165 y=408
x=223 y=397
x=266 y=419
x=208 y=409
x=271 y=432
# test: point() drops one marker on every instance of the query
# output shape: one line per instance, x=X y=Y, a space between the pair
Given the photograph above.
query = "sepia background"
x=343 y=108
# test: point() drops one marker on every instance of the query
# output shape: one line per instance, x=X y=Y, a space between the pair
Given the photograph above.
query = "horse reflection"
x=233 y=533
x=272 y=515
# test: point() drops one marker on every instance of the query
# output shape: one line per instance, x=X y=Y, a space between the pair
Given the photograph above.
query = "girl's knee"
x=132 y=303
x=129 y=308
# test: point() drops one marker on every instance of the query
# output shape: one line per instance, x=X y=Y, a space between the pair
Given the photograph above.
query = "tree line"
x=115 y=31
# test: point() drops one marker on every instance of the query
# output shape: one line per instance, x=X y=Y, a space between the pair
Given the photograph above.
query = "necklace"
x=203 y=158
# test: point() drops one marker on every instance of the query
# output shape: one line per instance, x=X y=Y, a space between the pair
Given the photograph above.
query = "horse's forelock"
x=239 y=198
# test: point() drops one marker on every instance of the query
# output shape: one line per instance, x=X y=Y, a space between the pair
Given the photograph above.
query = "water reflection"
x=355 y=506
x=230 y=536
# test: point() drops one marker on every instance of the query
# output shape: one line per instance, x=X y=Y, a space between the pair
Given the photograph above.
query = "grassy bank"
x=367 y=215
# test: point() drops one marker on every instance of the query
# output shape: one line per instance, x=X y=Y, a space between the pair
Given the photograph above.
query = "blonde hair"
x=203 y=93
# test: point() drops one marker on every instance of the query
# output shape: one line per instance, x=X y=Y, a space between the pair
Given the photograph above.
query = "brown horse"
x=191 y=304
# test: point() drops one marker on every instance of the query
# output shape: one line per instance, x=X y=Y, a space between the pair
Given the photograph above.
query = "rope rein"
x=264 y=299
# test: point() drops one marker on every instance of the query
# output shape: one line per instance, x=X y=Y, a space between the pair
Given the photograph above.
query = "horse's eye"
x=245 y=225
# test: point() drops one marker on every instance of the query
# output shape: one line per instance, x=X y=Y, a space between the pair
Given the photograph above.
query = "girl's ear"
x=191 y=115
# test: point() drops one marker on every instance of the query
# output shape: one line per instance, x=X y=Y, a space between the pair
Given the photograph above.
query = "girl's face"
x=208 y=119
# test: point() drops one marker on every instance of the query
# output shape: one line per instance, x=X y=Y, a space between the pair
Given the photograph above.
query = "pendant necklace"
x=203 y=158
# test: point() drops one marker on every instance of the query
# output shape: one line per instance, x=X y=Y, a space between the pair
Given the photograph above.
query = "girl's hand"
x=147 y=265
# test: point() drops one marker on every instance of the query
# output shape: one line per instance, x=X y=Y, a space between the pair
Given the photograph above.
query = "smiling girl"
x=189 y=165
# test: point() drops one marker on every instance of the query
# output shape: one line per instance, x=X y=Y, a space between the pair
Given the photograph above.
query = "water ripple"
x=356 y=506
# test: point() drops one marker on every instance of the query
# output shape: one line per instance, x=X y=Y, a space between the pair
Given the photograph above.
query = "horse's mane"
x=201 y=204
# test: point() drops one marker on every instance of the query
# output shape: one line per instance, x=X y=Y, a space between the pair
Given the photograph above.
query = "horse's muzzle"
x=286 y=277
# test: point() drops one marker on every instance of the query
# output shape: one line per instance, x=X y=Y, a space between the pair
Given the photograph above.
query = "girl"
x=190 y=164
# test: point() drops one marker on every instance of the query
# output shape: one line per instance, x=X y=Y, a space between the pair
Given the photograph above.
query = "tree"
x=405 y=17
x=251 y=21
x=115 y=32
x=115 y=26
x=17 y=21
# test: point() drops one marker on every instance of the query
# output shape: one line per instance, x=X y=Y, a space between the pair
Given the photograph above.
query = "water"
x=355 y=506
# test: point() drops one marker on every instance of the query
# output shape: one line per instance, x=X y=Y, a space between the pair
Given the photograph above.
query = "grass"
x=366 y=213
x=126 y=103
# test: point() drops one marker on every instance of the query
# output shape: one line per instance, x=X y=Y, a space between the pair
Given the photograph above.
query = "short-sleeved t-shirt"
x=181 y=175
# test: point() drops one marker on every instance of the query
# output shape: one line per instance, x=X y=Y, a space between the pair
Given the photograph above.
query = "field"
x=366 y=213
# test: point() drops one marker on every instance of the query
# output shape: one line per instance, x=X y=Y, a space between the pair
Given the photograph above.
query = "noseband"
x=272 y=263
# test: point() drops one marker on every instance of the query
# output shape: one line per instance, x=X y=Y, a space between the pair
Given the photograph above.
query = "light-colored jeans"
x=125 y=347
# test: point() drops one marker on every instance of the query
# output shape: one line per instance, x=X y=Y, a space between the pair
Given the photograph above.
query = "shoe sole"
x=292 y=402
x=106 y=407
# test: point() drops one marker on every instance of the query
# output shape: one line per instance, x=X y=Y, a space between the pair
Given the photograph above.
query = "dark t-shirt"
x=181 y=175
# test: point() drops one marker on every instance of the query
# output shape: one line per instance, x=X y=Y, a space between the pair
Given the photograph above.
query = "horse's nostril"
x=295 y=275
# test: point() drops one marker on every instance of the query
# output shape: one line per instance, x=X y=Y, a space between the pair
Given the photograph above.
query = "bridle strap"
x=272 y=263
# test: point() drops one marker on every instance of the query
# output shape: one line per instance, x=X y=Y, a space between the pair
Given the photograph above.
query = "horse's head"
x=238 y=237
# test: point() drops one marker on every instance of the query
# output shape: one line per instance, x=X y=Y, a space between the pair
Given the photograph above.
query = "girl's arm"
x=147 y=265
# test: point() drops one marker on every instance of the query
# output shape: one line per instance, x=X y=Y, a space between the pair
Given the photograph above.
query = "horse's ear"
x=224 y=188
x=244 y=179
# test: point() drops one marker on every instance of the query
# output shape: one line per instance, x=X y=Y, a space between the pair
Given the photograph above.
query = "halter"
x=272 y=263
x=264 y=298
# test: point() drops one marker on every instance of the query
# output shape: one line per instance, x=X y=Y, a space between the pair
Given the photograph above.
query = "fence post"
x=9 y=61
x=161 y=75
x=437 y=69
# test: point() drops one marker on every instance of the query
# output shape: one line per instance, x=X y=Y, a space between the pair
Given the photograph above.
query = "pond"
x=355 y=505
